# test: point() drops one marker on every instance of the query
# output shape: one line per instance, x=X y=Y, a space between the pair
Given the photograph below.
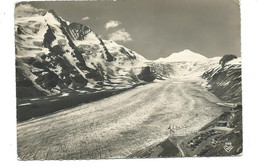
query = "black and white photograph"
x=128 y=79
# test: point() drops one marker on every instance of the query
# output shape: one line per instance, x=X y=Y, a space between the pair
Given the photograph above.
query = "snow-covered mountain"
x=54 y=56
x=183 y=64
x=183 y=56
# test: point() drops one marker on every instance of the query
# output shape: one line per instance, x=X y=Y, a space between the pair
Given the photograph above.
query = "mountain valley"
x=80 y=96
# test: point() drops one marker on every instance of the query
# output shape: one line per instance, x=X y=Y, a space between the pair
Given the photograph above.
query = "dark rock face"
x=146 y=75
x=108 y=55
x=25 y=87
x=57 y=50
x=49 y=37
x=79 y=31
x=48 y=80
x=19 y=30
x=227 y=58
x=122 y=50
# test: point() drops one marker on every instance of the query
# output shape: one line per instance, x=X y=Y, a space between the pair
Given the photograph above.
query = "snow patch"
x=24 y=104
x=64 y=95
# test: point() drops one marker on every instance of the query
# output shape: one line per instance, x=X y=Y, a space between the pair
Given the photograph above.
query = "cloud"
x=120 y=35
x=111 y=24
x=26 y=10
x=85 y=18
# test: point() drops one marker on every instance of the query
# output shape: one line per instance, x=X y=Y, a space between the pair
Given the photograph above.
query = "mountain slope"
x=56 y=56
x=225 y=81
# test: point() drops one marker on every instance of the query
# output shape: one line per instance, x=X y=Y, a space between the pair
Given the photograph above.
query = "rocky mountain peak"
x=57 y=57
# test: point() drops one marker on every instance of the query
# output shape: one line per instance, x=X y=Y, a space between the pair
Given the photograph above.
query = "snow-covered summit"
x=183 y=56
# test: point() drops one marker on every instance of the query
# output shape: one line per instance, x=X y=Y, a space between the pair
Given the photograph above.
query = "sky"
x=157 y=28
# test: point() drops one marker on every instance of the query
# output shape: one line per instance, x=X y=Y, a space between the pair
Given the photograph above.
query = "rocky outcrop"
x=146 y=74
x=226 y=58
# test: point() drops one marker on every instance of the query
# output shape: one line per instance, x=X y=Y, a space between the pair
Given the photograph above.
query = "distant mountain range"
x=54 y=57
